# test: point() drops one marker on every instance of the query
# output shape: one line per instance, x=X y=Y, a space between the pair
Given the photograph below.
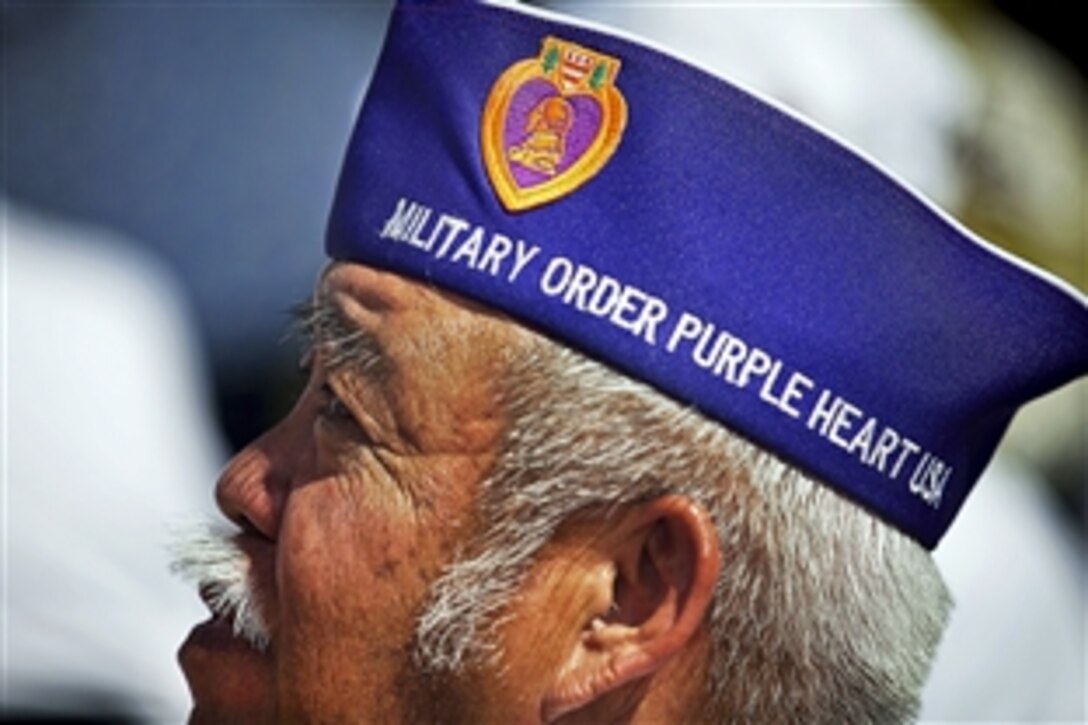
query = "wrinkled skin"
x=351 y=505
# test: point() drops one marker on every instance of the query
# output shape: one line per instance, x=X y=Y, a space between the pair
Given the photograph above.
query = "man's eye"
x=333 y=408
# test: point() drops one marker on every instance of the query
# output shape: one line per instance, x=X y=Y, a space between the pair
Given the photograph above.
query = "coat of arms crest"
x=551 y=123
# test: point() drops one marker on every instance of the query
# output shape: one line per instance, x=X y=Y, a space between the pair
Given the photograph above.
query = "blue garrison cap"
x=705 y=241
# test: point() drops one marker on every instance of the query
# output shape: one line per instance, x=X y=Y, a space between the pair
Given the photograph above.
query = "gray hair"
x=821 y=612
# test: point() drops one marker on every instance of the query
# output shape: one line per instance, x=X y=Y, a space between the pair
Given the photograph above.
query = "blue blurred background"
x=210 y=133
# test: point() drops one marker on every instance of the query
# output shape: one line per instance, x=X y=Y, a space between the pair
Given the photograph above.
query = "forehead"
x=444 y=358
x=368 y=296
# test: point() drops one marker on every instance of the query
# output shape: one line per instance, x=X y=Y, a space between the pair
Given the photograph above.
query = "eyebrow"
x=343 y=344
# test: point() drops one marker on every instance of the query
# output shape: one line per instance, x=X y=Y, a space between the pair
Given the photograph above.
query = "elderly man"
x=661 y=432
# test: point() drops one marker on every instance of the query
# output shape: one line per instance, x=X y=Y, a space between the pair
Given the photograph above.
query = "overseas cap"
x=706 y=242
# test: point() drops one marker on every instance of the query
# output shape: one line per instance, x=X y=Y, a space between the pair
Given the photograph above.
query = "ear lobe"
x=665 y=560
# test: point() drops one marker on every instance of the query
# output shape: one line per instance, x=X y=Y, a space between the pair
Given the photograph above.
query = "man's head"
x=548 y=463
x=463 y=519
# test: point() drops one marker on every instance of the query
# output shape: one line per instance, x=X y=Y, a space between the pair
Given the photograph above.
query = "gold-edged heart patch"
x=551 y=123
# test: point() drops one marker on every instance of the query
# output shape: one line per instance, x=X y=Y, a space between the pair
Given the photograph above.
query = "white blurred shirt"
x=108 y=442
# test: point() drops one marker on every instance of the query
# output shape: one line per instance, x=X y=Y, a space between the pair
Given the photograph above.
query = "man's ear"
x=657 y=568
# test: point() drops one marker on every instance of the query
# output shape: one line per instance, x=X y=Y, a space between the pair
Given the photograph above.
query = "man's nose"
x=253 y=487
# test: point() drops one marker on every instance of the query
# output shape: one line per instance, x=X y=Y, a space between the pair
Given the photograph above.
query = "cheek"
x=355 y=556
x=349 y=569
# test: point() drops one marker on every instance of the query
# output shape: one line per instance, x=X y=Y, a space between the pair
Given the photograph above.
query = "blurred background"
x=167 y=168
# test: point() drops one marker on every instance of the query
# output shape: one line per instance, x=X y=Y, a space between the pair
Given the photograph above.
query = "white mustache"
x=207 y=556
